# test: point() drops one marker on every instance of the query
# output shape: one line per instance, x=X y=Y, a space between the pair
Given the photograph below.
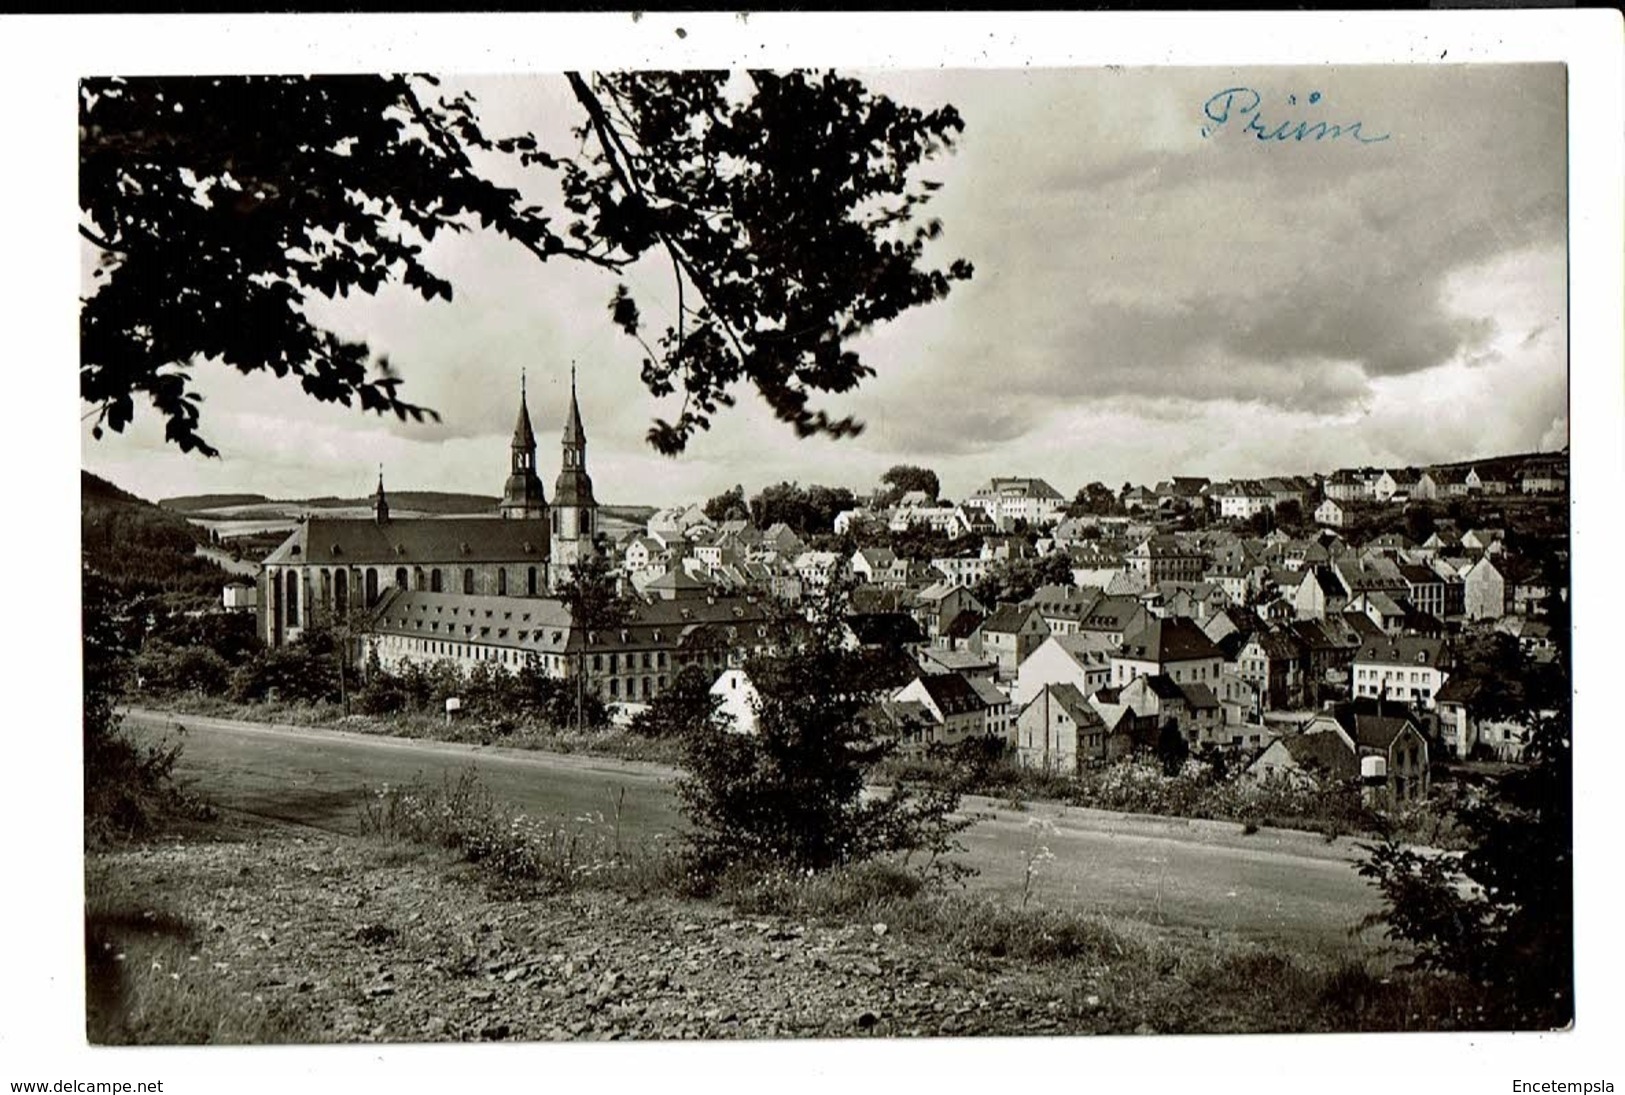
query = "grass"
x=145 y=984
x=460 y=815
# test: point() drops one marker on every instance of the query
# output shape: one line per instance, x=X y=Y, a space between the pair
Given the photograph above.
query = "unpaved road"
x=1295 y=888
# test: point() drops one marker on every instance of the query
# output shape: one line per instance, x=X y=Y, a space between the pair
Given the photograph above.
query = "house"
x=1114 y=616
x=1081 y=660
x=1163 y=558
x=1008 y=635
x=997 y=719
x=738 y=700
x=1008 y=499
x=1349 y=734
x=1327 y=653
x=1543 y=477
x=1393 y=482
x=1192 y=708
x=962 y=571
x=1350 y=485
x=1241 y=499
x=956 y=708
x=1405 y=668
x=1174 y=646
x=1314 y=760
x=239 y=596
x=966 y=663
x=879 y=566
x=1383 y=610
x=1198 y=600
x=1272 y=660
x=1484 y=591
x=1064 y=608
x=1465 y=732
x=1319 y=594
x=1058 y=731
x=936 y=605
x=1329 y=512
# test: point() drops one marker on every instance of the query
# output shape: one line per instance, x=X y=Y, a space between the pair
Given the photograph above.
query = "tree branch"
x=99 y=241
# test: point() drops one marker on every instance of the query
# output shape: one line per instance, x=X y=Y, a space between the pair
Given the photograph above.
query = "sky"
x=1156 y=293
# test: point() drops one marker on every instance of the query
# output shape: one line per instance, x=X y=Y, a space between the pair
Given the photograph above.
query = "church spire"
x=380 y=504
x=524 y=438
x=523 y=496
x=574 y=435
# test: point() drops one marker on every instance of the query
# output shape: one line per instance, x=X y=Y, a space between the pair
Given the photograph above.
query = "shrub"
x=164 y=669
x=793 y=792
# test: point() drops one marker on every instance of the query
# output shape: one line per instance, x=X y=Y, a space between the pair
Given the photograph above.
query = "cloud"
x=1146 y=300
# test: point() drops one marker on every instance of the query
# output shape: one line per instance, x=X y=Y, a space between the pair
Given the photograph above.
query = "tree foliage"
x=792 y=794
x=902 y=478
x=806 y=510
x=728 y=506
x=786 y=205
x=1013 y=581
x=1502 y=913
x=1095 y=499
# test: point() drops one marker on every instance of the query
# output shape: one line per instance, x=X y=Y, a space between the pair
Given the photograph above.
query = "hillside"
x=193 y=503
x=141 y=548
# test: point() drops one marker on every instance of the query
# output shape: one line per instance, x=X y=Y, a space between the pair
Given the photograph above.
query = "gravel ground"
x=377 y=944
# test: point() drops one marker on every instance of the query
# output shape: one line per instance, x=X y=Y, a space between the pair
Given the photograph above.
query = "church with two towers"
x=329 y=568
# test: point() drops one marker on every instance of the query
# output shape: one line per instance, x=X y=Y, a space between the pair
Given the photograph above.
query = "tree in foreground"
x=792 y=795
x=784 y=204
x=1502 y=913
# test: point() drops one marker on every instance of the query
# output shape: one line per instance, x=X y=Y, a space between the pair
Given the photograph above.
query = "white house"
x=739 y=700
x=1082 y=660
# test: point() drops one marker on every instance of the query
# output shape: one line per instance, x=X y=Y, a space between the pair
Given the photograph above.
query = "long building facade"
x=331 y=569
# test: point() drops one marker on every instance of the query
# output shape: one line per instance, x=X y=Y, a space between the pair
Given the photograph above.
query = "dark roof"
x=885 y=628
x=1113 y=613
x=1073 y=702
x=951 y=692
x=544 y=624
x=1325 y=751
x=1007 y=618
x=1163 y=687
x=1458 y=690
x=963 y=625
x=1198 y=696
x=1374 y=731
x=1170 y=639
x=1411 y=650
x=414 y=541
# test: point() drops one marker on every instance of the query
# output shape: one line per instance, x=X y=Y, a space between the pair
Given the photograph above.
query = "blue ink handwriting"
x=1233 y=104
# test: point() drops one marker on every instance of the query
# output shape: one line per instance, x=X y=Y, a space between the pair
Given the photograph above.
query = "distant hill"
x=141 y=548
x=191 y=503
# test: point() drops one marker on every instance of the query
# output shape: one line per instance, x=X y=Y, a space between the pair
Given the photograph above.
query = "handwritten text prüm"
x=1233 y=104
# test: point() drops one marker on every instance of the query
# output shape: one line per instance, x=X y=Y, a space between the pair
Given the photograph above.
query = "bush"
x=460 y=815
x=793 y=792
x=163 y=669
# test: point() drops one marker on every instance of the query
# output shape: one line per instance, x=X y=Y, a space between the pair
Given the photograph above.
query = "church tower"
x=523 y=497
x=380 y=504
x=575 y=512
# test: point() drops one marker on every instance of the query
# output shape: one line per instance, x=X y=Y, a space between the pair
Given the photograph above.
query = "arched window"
x=400 y=577
x=372 y=586
x=530 y=583
x=468 y=579
x=293 y=598
x=434 y=580
x=502 y=581
x=341 y=591
x=326 y=595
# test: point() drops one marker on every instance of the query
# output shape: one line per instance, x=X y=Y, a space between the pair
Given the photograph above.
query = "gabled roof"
x=963 y=625
x=1170 y=639
x=1007 y=619
x=1327 y=752
x=1070 y=700
x=1408 y=650
x=415 y=541
x=1198 y=696
x=951 y=692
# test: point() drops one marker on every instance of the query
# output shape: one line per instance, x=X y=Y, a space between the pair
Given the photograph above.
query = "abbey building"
x=331 y=568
